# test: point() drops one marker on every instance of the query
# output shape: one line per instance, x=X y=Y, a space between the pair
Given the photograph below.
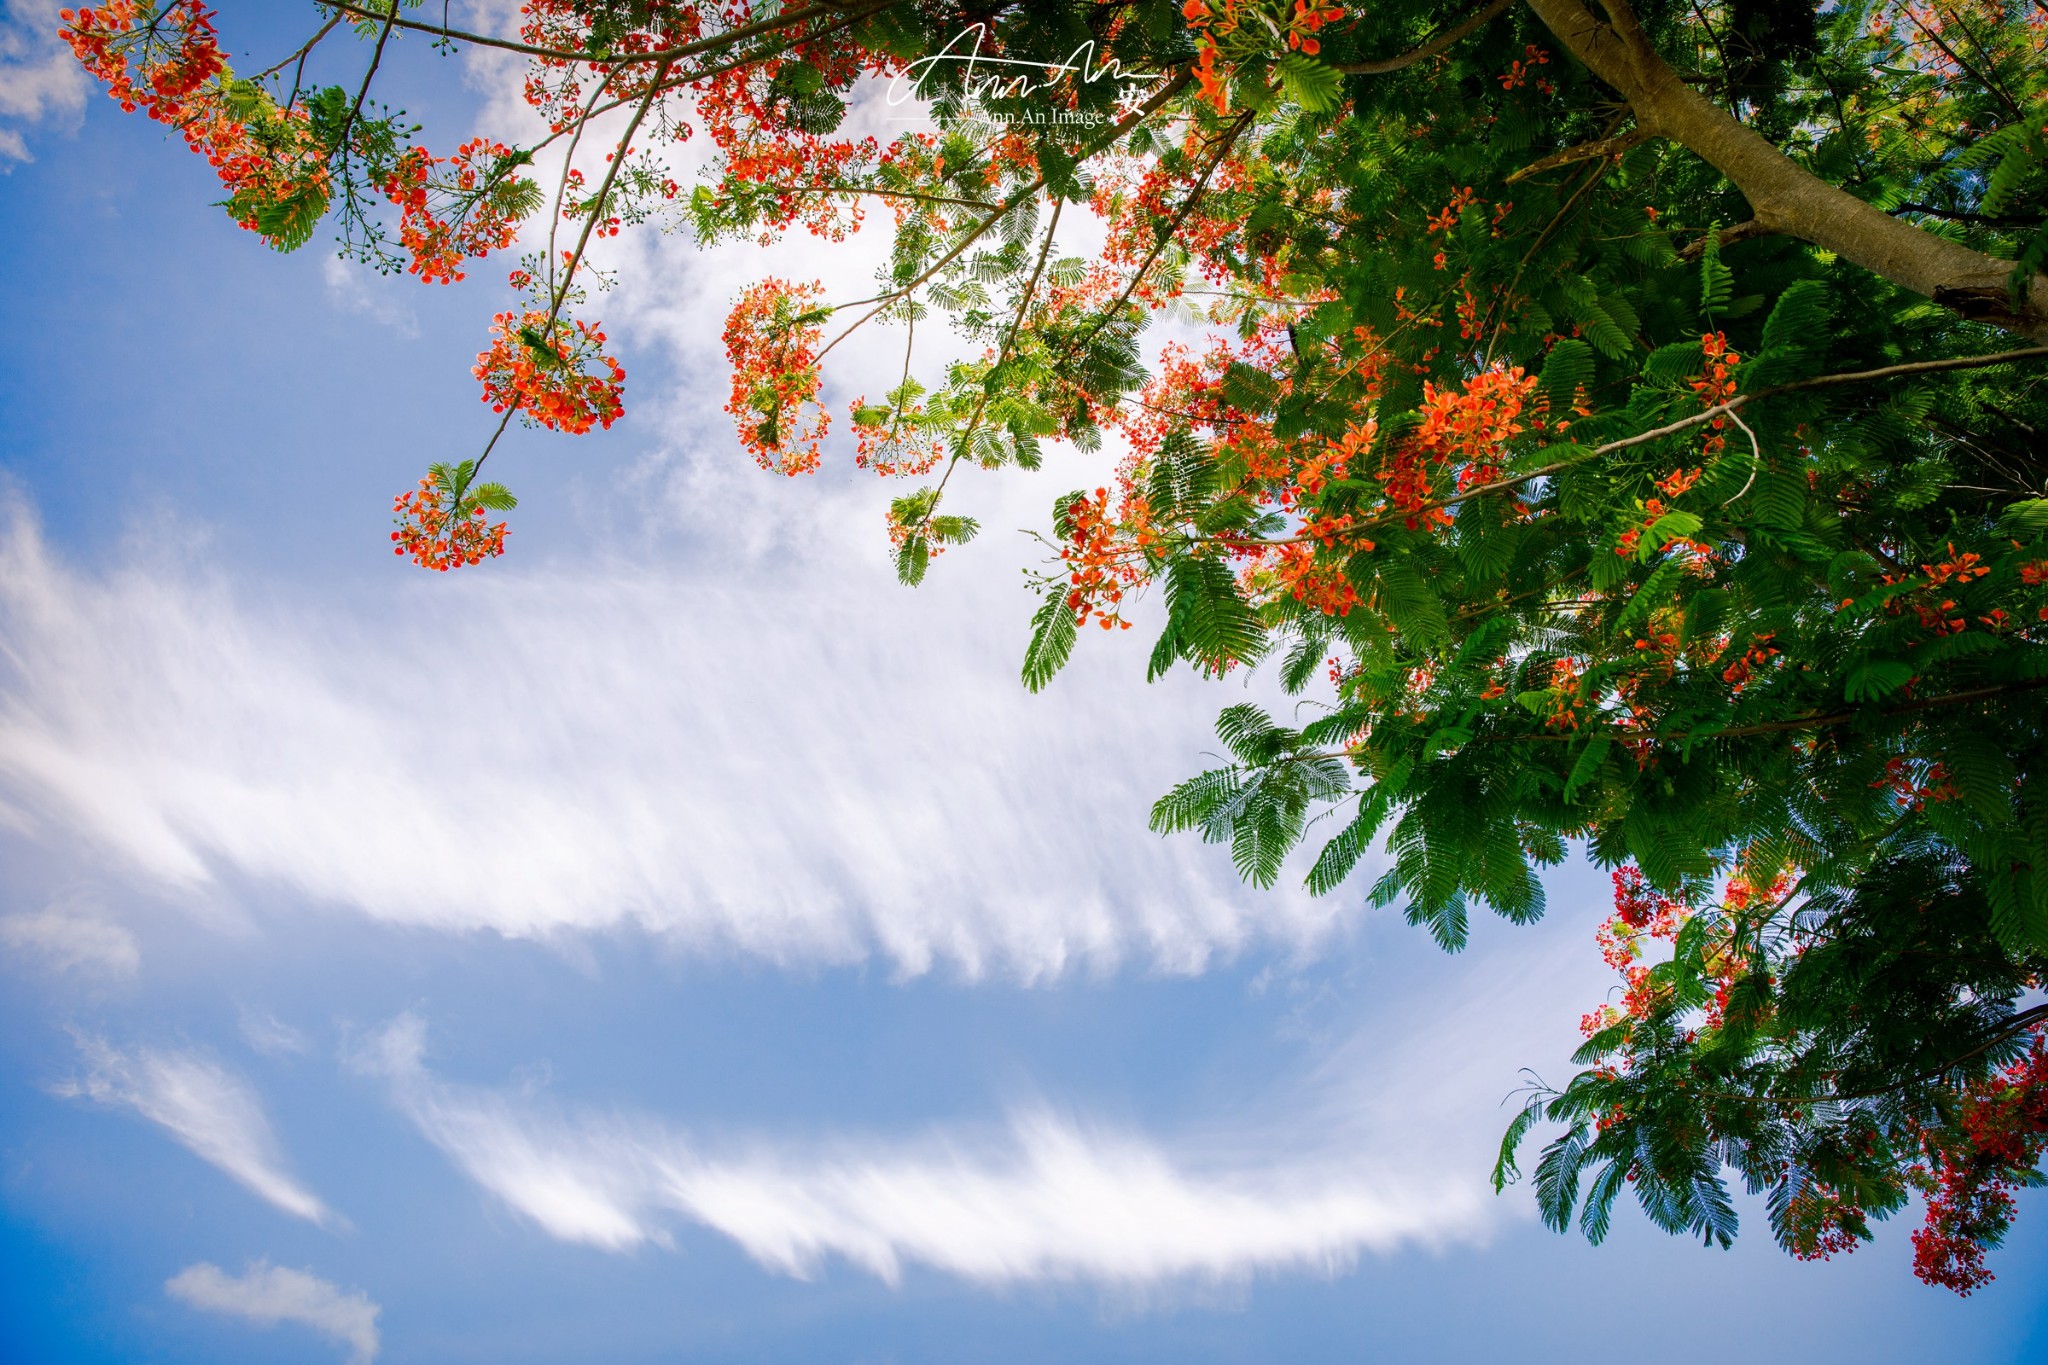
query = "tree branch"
x=604 y=190
x=1442 y=41
x=665 y=56
x=1824 y=381
x=2019 y=1023
x=1172 y=228
x=974 y=234
x=1585 y=151
x=1774 y=727
x=1956 y=216
x=1727 y=236
x=1786 y=197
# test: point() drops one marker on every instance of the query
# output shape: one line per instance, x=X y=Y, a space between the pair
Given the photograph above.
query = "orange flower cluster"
x=473 y=196
x=1742 y=891
x=1318 y=585
x=554 y=85
x=1565 y=702
x=1678 y=481
x=1820 y=1222
x=1101 y=556
x=1447 y=218
x=1524 y=68
x=1188 y=390
x=171 y=68
x=883 y=443
x=1944 y=615
x=1641 y=913
x=1249 y=28
x=1969 y=1182
x=771 y=339
x=1672 y=484
x=1309 y=18
x=1476 y=425
x=1912 y=786
x=178 y=52
x=1661 y=640
x=1134 y=198
x=1469 y=428
x=556 y=374
x=1738 y=674
x=1210 y=19
x=2034 y=575
x=1956 y=569
x=764 y=149
x=436 y=537
x=1716 y=386
x=1317 y=471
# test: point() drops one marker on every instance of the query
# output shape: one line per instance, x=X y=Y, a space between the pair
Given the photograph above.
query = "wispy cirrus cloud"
x=211 y=1110
x=270 y=1035
x=576 y=747
x=266 y=1295
x=1041 y=1197
x=73 y=936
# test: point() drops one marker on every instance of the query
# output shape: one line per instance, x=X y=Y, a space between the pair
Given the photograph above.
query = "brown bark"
x=1785 y=197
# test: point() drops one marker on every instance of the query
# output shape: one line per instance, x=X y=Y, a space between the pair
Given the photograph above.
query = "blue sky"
x=675 y=940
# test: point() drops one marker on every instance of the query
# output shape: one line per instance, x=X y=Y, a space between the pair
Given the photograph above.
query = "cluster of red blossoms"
x=1523 y=70
x=1641 y=912
x=894 y=444
x=1103 y=554
x=1715 y=386
x=1967 y=1169
x=1912 y=784
x=1969 y=1176
x=1229 y=28
x=771 y=339
x=1468 y=429
x=170 y=67
x=1314 y=584
x=554 y=373
x=473 y=197
x=436 y=536
x=157 y=68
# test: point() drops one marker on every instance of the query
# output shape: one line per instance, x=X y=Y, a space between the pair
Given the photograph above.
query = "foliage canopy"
x=1626 y=420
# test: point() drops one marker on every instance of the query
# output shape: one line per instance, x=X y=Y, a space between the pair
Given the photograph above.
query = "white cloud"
x=38 y=74
x=741 y=734
x=206 y=1107
x=267 y=1295
x=356 y=289
x=73 y=936
x=1039 y=1198
x=805 y=764
x=270 y=1035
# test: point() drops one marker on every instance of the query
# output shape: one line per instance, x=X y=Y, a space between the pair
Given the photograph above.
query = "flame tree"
x=1625 y=419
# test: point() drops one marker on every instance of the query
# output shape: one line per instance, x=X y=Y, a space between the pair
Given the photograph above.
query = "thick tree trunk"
x=1784 y=196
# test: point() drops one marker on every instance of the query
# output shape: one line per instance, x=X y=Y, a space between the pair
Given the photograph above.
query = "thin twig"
x=960 y=447
x=1180 y=216
x=1504 y=296
x=363 y=91
x=561 y=292
x=663 y=56
x=1009 y=205
x=300 y=55
x=1971 y=362
x=1427 y=50
x=2019 y=1023
x=1585 y=151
